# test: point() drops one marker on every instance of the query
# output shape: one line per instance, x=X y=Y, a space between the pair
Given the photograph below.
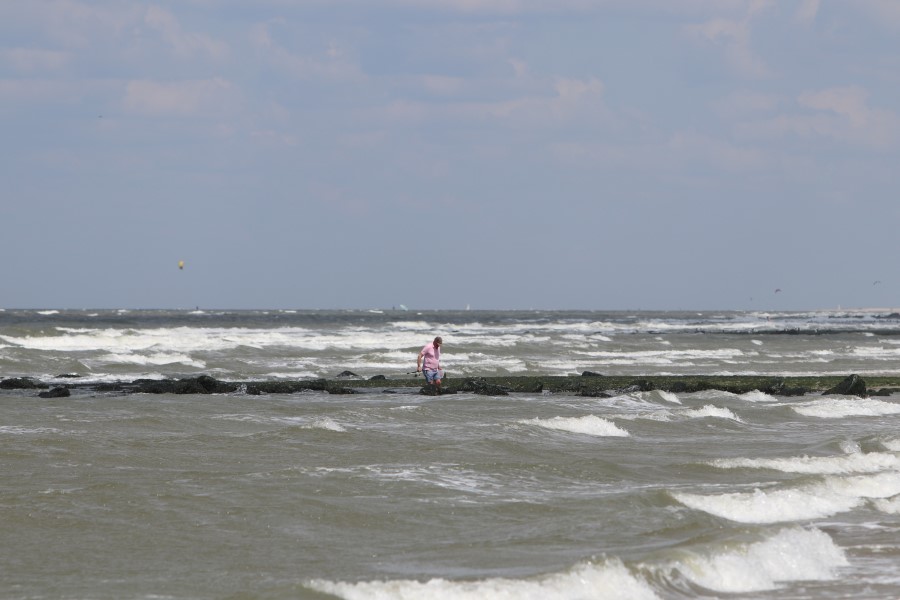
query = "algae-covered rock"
x=21 y=383
x=57 y=392
x=286 y=387
x=851 y=386
x=483 y=388
x=204 y=384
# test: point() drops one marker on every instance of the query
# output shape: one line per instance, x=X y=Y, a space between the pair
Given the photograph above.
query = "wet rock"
x=643 y=385
x=689 y=387
x=111 y=387
x=21 y=383
x=203 y=384
x=884 y=392
x=377 y=378
x=285 y=387
x=483 y=388
x=851 y=386
x=342 y=390
x=591 y=374
x=345 y=374
x=57 y=392
x=595 y=394
x=779 y=387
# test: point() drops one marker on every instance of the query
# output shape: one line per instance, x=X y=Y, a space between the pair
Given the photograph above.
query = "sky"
x=444 y=154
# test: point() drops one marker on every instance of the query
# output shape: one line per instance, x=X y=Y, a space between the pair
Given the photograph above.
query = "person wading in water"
x=429 y=362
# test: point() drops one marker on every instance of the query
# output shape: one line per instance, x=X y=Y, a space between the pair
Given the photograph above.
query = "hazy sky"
x=598 y=154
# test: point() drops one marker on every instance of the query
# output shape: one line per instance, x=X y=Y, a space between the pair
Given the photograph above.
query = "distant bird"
x=877 y=282
x=777 y=290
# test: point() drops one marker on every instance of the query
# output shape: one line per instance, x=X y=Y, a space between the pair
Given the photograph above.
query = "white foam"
x=156 y=359
x=814 y=501
x=890 y=506
x=17 y=430
x=840 y=407
x=667 y=396
x=873 y=462
x=588 y=425
x=757 y=396
x=611 y=580
x=768 y=506
x=711 y=411
x=325 y=423
x=789 y=555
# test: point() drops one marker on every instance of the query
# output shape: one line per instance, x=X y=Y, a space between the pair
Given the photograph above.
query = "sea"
x=392 y=494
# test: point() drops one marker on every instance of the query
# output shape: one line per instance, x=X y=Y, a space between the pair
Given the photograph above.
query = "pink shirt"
x=431 y=357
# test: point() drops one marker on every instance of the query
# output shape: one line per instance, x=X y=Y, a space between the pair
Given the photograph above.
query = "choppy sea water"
x=389 y=494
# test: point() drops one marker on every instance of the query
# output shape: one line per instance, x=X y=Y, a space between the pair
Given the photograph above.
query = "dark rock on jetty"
x=483 y=388
x=591 y=374
x=286 y=387
x=57 y=392
x=347 y=374
x=190 y=385
x=21 y=383
x=605 y=386
x=851 y=386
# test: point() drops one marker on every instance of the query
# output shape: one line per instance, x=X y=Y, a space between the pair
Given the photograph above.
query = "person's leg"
x=431 y=380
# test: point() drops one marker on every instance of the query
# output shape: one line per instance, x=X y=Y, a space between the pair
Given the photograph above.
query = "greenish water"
x=397 y=495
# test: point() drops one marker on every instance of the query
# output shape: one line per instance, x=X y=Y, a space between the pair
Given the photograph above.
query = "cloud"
x=184 y=44
x=72 y=23
x=333 y=63
x=807 y=11
x=840 y=113
x=723 y=155
x=522 y=7
x=29 y=60
x=883 y=12
x=441 y=85
x=744 y=102
x=733 y=38
x=16 y=93
x=198 y=98
x=568 y=101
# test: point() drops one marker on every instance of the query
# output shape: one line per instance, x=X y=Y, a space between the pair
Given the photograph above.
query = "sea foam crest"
x=789 y=555
x=814 y=501
x=758 y=396
x=711 y=411
x=873 y=462
x=588 y=425
x=890 y=506
x=892 y=444
x=666 y=396
x=611 y=580
x=838 y=408
x=326 y=423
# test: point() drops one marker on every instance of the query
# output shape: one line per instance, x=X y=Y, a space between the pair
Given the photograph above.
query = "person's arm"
x=419 y=361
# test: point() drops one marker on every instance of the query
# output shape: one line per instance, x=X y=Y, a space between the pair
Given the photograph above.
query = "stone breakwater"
x=589 y=384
